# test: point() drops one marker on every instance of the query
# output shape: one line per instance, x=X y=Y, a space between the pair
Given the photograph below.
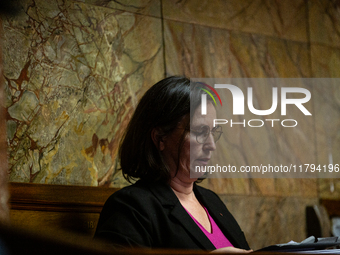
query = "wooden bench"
x=55 y=219
x=55 y=208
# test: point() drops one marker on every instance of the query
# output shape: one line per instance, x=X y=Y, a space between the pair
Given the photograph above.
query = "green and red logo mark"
x=204 y=97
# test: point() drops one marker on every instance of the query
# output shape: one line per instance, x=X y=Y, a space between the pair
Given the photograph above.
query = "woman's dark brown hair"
x=163 y=106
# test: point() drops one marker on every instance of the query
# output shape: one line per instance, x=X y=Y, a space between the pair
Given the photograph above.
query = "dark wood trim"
x=45 y=197
x=332 y=206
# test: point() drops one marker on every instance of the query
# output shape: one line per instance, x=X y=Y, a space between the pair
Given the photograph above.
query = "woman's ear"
x=157 y=138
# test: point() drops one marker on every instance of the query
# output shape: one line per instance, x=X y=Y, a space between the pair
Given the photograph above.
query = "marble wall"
x=74 y=71
x=73 y=74
x=258 y=39
x=4 y=196
x=325 y=62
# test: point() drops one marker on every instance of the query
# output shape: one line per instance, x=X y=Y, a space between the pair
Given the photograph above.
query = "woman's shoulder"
x=137 y=186
x=136 y=190
x=140 y=193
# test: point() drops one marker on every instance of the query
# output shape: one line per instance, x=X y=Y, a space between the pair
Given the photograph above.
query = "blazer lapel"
x=221 y=216
x=168 y=198
x=188 y=223
x=228 y=230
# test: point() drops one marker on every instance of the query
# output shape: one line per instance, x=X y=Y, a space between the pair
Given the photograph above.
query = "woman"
x=165 y=208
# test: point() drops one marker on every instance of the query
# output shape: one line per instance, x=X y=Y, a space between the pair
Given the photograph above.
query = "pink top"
x=216 y=236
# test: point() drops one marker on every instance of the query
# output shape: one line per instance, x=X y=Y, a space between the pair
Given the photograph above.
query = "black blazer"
x=150 y=215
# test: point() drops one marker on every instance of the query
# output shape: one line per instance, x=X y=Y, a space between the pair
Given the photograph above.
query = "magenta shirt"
x=216 y=236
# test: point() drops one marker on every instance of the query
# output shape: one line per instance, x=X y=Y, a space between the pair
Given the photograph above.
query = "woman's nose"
x=210 y=143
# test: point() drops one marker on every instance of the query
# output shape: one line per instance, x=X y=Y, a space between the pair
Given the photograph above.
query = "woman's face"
x=192 y=153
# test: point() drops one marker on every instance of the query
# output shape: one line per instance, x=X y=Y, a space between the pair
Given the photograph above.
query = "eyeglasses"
x=203 y=133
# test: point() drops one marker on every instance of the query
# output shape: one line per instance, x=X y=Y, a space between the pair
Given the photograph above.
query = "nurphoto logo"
x=264 y=128
x=238 y=107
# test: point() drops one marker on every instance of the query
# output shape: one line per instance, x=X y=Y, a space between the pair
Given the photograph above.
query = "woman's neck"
x=183 y=190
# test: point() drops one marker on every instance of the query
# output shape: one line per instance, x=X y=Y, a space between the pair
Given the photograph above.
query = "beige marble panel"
x=324 y=22
x=329 y=188
x=145 y=7
x=74 y=73
x=264 y=187
x=270 y=220
x=200 y=51
x=326 y=63
x=267 y=145
x=328 y=136
x=284 y=19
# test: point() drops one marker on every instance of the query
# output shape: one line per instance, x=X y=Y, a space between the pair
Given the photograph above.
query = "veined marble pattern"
x=326 y=63
x=242 y=145
x=270 y=220
x=145 y=7
x=213 y=52
x=264 y=187
x=4 y=196
x=74 y=71
x=283 y=19
x=73 y=75
x=70 y=66
x=272 y=144
x=328 y=135
x=200 y=51
x=324 y=22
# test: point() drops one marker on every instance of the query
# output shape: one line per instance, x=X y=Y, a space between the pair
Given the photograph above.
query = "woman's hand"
x=231 y=250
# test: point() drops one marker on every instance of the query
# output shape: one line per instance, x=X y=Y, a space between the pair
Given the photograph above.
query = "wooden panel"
x=54 y=208
x=25 y=196
x=70 y=222
x=332 y=206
